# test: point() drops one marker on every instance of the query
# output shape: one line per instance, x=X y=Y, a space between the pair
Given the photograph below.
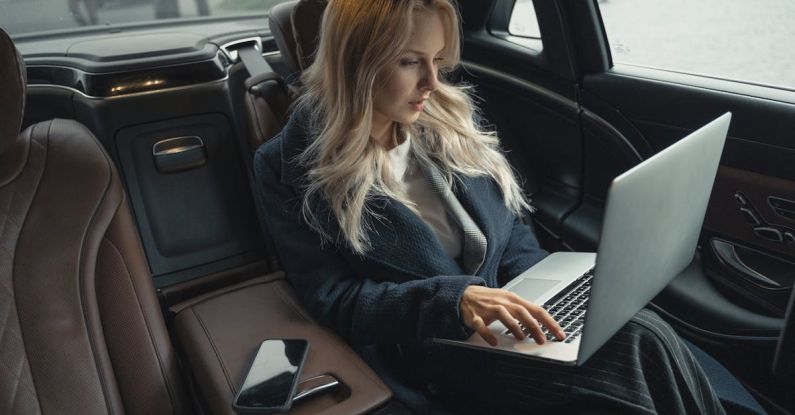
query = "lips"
x=418 y=105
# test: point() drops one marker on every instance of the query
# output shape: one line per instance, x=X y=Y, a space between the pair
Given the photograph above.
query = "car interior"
x=139 y=276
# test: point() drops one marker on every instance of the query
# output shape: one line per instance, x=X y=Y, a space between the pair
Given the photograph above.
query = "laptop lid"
x=652 y=222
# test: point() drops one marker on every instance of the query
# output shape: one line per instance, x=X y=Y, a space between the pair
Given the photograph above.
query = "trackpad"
x=532 y=288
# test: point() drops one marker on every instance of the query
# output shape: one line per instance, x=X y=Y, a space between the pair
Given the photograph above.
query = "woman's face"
x=401 y=89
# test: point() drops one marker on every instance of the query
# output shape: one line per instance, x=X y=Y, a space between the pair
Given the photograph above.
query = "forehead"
x=427 y=34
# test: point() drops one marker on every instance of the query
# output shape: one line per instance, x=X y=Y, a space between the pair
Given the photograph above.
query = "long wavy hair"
x=346 y=167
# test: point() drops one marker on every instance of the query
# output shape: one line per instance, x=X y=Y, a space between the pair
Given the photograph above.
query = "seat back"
x=295 y=26
x=82 y=328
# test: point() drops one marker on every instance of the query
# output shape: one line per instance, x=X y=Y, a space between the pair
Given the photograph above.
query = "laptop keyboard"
x=568 y=308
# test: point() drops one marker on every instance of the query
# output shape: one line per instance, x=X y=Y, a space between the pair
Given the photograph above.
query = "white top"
x=430 y=206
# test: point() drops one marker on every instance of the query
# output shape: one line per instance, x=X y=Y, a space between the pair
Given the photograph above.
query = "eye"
x=409 y=62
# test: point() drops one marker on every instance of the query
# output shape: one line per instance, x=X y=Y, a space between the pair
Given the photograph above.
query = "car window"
x=29 y=16
x=523 y=20
x=523 y=25
x=749 y=41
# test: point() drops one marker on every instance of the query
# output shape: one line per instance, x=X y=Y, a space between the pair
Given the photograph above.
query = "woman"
x=356 y=189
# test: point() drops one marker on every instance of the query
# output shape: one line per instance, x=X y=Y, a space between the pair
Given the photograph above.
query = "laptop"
x=651 y=227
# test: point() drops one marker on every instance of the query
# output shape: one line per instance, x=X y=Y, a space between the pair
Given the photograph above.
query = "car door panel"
x=749 y=165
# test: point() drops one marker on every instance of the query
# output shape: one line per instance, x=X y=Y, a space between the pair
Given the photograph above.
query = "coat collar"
x=396 y=234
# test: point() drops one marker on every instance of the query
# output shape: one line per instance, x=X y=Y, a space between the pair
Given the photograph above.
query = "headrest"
x=12 y=91
x=295 y=26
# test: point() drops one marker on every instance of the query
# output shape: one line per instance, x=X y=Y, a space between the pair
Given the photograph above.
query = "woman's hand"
x=480 y=306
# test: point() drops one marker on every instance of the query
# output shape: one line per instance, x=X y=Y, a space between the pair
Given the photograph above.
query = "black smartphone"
x=271 y=381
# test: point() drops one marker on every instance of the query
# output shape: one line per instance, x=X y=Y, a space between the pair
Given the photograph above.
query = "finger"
x=548 y=321
x=510 y=322
x=529 y=322
x=542 y=316
x=534 y=330
x=481 y=329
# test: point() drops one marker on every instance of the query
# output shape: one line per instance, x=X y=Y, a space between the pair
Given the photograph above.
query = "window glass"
x=523 y=20
x=750 y=41
x=27 y=16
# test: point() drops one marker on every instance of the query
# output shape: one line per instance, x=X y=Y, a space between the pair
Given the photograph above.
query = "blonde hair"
x=345 y=166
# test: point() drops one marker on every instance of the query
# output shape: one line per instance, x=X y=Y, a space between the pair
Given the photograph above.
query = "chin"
x=409 y=118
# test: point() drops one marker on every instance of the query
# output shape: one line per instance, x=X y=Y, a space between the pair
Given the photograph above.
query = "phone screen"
x=272 y=378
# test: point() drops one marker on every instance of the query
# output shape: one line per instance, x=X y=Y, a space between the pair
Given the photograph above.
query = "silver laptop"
x=652 y=222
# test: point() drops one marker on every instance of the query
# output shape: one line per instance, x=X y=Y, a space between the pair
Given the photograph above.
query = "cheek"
x=397 y=89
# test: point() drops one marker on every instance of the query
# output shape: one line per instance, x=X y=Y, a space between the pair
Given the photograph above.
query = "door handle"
x=179 y=153
x=727 y=253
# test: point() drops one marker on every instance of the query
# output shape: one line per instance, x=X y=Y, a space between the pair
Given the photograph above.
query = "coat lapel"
x=483 y=201
x=403 y=241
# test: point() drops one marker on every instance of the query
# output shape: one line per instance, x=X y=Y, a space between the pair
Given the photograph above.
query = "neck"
x=384 y=135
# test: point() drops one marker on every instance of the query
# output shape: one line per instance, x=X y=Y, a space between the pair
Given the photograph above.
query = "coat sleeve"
x=521 y=253
x=362 y=310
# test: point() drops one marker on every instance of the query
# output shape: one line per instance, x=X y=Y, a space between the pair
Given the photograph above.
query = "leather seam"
x=164 y=378
x=46 y=148
x=224 y=291
x=215 y=349
x=81 y=269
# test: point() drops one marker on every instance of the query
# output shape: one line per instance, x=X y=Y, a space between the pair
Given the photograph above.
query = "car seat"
x=82 y=332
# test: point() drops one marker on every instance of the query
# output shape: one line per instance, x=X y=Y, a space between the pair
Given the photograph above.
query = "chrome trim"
x=175 y=150
x=329 y=382
x=554 y=96
x=232 y=53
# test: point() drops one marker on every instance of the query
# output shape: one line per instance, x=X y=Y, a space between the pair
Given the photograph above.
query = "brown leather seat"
x=81 y=331
x=295 y=26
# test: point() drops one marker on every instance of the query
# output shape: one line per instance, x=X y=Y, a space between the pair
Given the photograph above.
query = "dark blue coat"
x=406 y=289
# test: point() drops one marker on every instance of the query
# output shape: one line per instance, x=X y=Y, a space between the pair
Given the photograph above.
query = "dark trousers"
x=644 y=369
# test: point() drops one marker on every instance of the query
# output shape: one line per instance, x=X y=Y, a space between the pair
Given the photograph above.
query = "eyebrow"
x=421 y=53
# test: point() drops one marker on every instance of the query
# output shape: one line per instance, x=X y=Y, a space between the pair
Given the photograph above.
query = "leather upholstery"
x=81 y=329
x=220 y=333
x=13 y=150
x=281 y=27
x=295 y=26
x=266 y=104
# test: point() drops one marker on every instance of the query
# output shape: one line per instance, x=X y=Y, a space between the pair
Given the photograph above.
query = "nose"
x=430 y=79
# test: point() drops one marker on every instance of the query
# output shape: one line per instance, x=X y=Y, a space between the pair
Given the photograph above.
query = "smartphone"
x=271 y=381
